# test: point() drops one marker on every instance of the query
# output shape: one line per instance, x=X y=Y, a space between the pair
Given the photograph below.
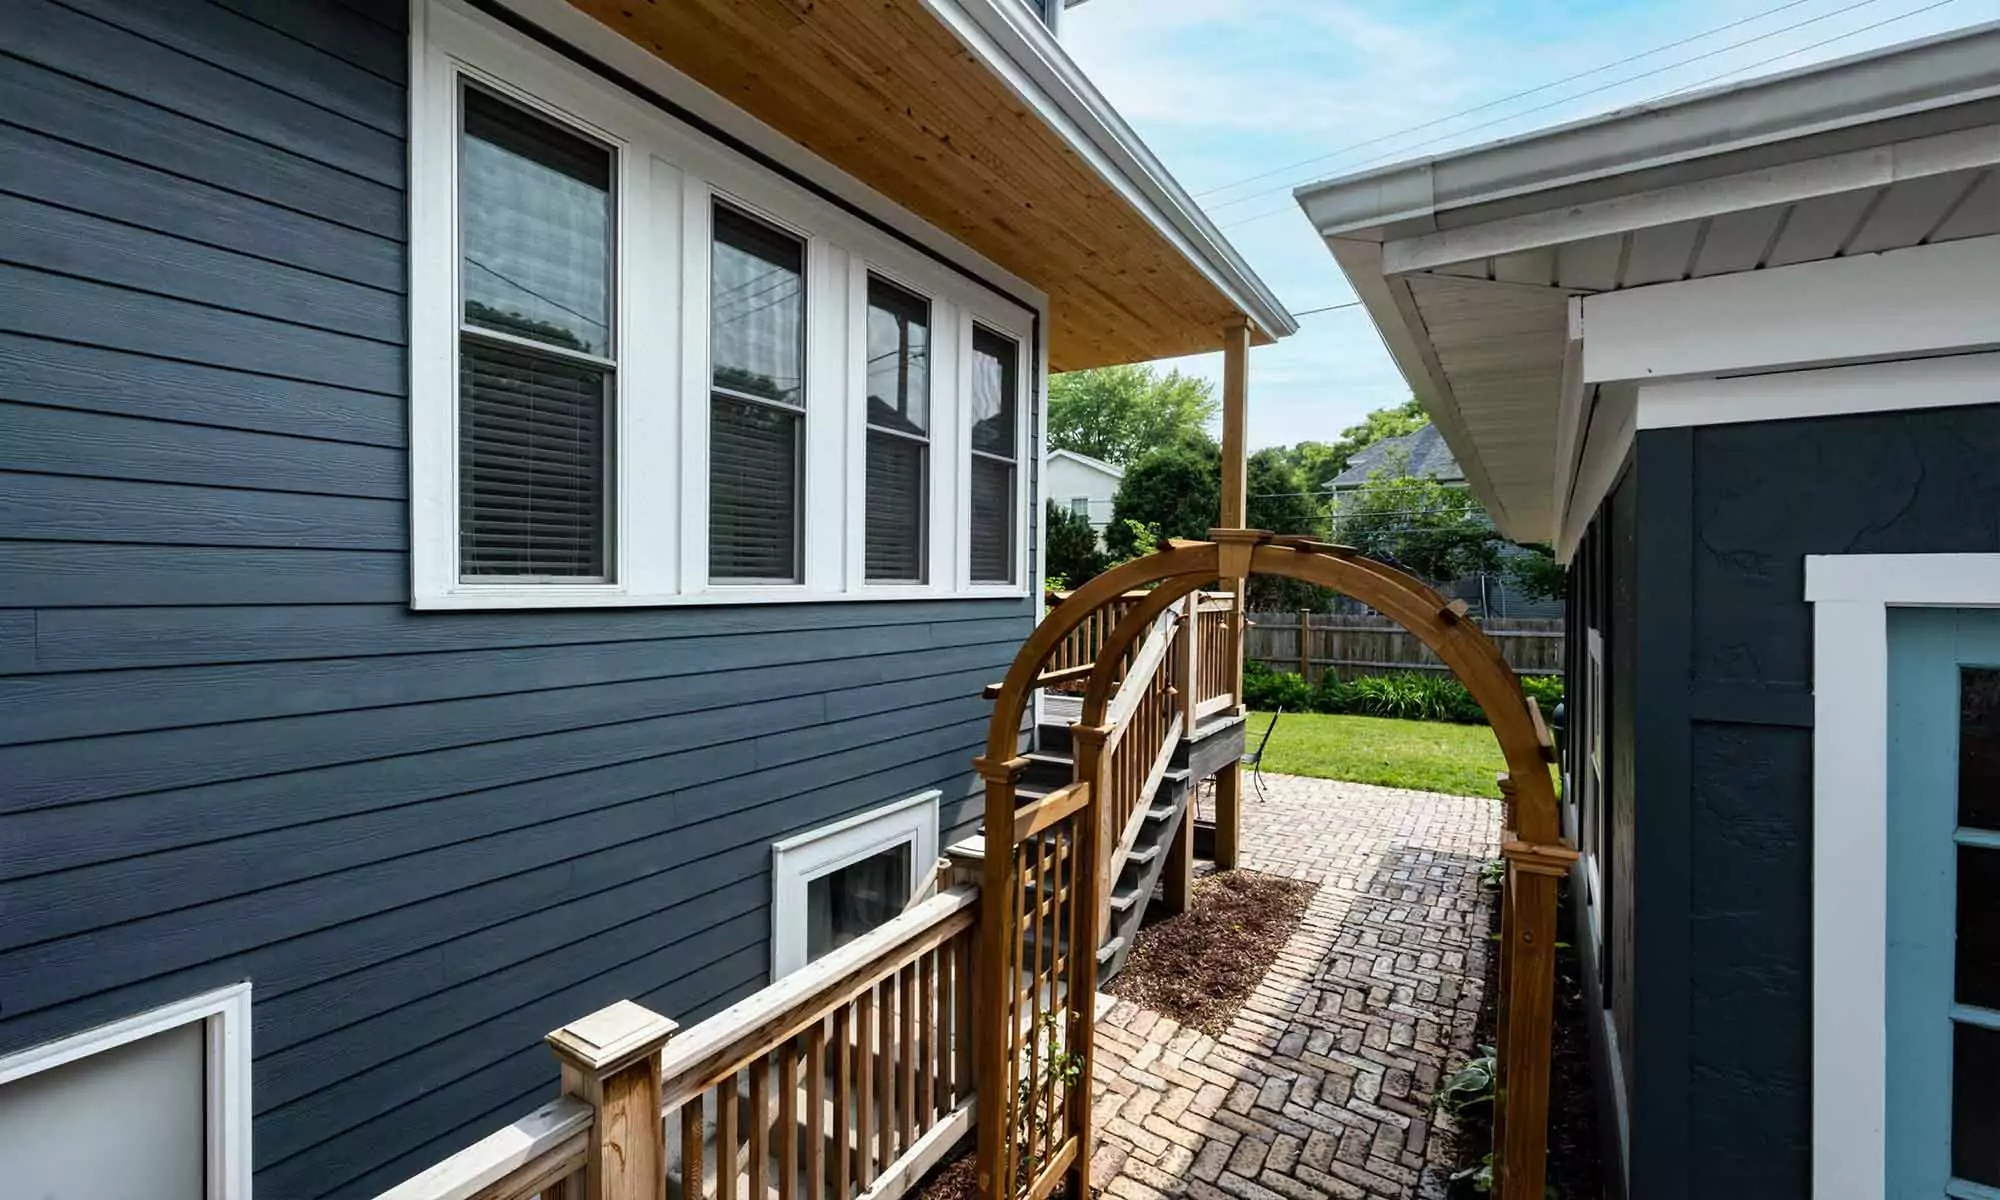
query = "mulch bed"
x=1574 y=1170
x=1199 y=967
x=958 y=1179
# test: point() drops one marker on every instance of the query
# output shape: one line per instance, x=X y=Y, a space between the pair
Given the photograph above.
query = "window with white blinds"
x=646 y=369
x=996 y=438
x=535 y=358
x=757 y=319
x=899 y=433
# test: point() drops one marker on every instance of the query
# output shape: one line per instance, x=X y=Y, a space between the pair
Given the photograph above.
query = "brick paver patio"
x=1322 y=1084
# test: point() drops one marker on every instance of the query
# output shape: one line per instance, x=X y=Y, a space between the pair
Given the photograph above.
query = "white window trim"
x=1851 y=595
x=1592 y=797
x=667 y=179
x=797 y=861
x=225 y=1014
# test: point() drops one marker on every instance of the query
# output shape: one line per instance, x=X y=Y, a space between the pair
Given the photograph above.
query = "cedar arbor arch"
x=1533 y=848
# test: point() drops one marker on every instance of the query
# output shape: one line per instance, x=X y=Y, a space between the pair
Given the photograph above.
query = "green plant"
x=1060 y=1069
x=1545 y=690
x=1471 y=1085
x=1493 y=872
x=1072 y=546
x=1267 y=690
x=1478 y=1180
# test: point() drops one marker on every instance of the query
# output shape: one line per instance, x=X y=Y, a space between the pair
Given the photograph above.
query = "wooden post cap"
x=611 y=1038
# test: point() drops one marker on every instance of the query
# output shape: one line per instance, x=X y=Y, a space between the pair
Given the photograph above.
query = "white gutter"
x=1957 y=68
x=1014 y=44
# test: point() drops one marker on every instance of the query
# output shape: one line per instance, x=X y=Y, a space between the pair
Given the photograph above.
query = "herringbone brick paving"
x=1321 y=1085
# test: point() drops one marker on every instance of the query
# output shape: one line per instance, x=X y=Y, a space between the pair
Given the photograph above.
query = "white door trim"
x=1851 y=595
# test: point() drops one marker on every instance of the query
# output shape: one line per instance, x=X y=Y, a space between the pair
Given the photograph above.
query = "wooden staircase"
x=1138 y=756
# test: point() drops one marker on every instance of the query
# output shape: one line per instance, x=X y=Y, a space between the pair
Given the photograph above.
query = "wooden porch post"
x=1526 y=1017
x=1235 y=515
x=611 y=1061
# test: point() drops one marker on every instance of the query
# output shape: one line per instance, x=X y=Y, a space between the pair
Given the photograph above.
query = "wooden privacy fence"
x=848 y=1078
x=1353 y=645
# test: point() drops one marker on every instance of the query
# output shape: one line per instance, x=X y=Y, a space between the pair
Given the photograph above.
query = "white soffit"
x=1467 y=262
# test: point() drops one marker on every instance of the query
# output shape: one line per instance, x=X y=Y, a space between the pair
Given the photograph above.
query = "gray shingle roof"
x=1426 y=451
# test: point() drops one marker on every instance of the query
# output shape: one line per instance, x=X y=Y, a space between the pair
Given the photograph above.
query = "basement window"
x=835 y=883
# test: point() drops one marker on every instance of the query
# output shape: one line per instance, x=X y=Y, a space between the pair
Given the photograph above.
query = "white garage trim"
x=1934 y=299
x=1851 y=595
x=226 y=1016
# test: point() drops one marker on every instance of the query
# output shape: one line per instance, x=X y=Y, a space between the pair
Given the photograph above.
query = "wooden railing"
x=1036 y=1012
x=1075 y=656
x=1209 y=663
x=1126 y=757
x=850 y=1077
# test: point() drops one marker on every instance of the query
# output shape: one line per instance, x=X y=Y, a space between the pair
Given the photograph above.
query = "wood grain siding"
x=231 y=751
x=1726 y=514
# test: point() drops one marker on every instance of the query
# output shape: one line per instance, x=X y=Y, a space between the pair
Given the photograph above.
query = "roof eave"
x=1402 y=198
x=1021 y=51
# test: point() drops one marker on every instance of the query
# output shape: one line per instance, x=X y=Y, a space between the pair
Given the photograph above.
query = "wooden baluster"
x=788 y=1120
x=725 y=1139
x=887 y=1077
x=962 y=1006
x=760 y=1100
x=907 y=1046
x=864 y=1078
x=844 y=1119
x=927 y=1042
x=693 y=1187
x=611 y=1061
x=816 y=1112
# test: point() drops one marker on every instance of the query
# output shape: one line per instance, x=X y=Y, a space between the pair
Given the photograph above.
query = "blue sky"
x=1226 y=89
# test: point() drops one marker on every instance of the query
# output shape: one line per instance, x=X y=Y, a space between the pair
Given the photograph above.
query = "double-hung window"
x=757 y=349
x=899 y=434
x=648 y=369
x=536 y=367
x=996 y=385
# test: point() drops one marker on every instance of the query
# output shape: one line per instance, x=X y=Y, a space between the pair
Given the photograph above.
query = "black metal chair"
x=1254 y=759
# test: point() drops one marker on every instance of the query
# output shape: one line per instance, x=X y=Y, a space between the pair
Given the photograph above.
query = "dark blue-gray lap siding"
x=1721 y=759
x=229 y=751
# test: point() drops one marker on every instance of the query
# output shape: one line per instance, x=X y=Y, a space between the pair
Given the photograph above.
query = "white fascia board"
x=1394 y=314
x=1404 y=198
x=1085 y=460
x=599 y=41
x=1877 y=166
x=1937 y=299
x=1023 y=53
x=1948 y=382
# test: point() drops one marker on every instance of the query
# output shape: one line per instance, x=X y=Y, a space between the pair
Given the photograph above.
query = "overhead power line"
x=1765 y=62
x=1466 y=112
x=1402 y=151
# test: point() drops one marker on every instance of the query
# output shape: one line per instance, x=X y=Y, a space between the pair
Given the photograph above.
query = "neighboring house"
x=1733 y=354
x=507 y=507
x=1424 y=452
x=1083 y=485
x=1421 y=452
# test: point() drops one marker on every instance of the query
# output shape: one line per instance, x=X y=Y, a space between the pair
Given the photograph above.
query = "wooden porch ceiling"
x=886 y=92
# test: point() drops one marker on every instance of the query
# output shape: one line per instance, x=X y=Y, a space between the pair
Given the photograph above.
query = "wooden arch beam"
x=1182 y=569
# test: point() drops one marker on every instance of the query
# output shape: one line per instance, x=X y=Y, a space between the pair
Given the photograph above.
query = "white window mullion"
x=854 y=426
x=649 y=471
x=697 y=233
x=823 y=524
x=947 y=425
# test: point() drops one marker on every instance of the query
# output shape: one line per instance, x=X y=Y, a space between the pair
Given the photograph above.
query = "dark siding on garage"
x=228 y=748
x=1726 y=516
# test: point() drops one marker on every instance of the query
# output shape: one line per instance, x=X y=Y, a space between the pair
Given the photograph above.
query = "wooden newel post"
x=1526 y=1016
x=1188 y=657
x=611 y=1061
x=992 y=977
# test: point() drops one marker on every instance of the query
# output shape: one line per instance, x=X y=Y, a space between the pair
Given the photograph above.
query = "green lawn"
x=1430 y=756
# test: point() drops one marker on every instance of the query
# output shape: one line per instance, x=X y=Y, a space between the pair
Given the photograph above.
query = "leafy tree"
x=1281 y=503
x=1120 y=414
x=1073 y=552
x=1537 y=573
x=1404 y=418
x=1173 y=491
x=1435 y=532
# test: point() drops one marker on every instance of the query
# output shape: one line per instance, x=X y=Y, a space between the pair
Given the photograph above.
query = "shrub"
x=1407 y=695
x=1267 y=690
x=1545 y=690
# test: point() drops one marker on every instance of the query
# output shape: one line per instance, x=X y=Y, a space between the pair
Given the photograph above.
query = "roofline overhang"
x=1954 y=68
x=1013 y=43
